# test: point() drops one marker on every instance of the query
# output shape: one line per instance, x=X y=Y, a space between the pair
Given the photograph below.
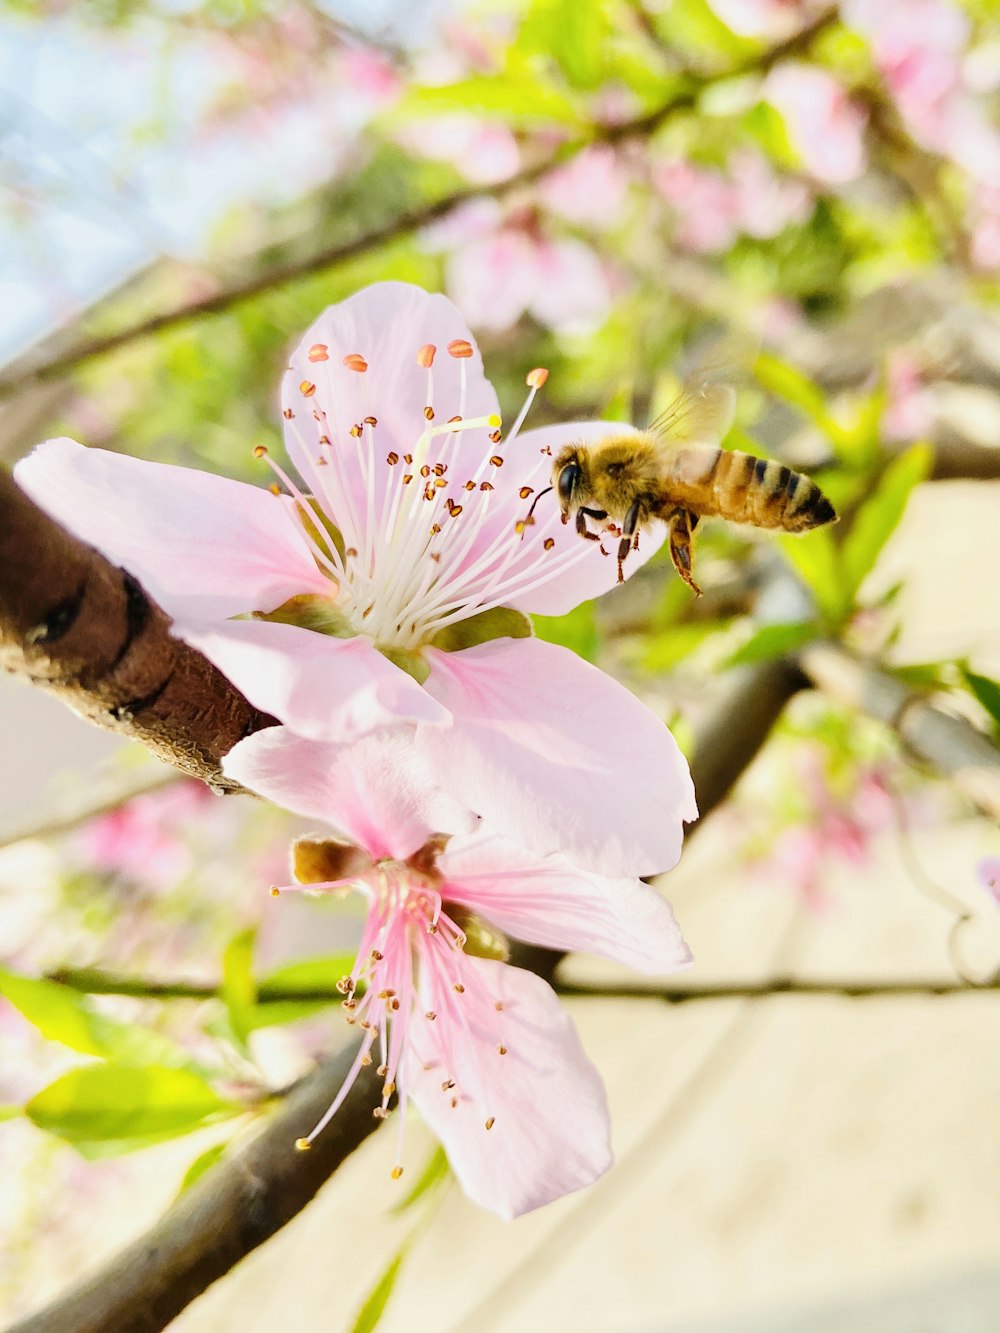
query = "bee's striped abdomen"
x=767 y=494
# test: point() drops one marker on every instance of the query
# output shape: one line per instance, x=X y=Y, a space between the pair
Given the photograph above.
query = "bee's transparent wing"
x=700 y=414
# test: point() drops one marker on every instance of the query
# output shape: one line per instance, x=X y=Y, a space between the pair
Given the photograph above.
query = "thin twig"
x=24 y=371
x=96 y=981
x=950 y=744
x=70 y=809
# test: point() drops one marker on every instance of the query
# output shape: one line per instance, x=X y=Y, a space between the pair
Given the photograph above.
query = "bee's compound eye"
x=569 y=478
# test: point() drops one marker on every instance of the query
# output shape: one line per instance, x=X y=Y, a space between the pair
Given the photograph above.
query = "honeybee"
x=676 y=471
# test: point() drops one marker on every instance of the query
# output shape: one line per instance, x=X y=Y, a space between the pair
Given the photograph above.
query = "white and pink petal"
x=549 y=1131
x=379 y=792
x=359 y=362
x=557 y=756
x=320 y=687
x=205 y=547
x=549 y=901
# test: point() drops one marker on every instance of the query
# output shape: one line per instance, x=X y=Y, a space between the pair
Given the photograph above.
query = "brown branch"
x=736 y=731
x=950 y=744
x=85 y=630
x=236 y=1206
x=26 y=371
x=915 y=987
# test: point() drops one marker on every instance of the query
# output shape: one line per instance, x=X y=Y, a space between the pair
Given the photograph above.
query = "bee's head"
x=567 y=478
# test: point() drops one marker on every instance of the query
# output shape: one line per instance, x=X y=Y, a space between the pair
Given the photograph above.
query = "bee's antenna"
x=536 y=499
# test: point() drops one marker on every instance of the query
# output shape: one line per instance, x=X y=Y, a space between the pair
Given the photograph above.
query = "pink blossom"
x=825 y=127
x=988 y=871
x=919 y=48
x=713 y=208
x=394 y=431
x=518 y=270
x=482 y=151
x=590 y=189
x=141 y=839
x=704 y=204
x=764 y=18
x=370 y=74
x=483 y=1049
x=908 y=412
x=832 y=829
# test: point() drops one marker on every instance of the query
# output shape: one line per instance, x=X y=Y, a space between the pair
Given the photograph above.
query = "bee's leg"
x=681 y=530
x=581 y=522
x=629 y=531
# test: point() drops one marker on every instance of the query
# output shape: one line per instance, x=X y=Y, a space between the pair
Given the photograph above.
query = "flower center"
x=410 y=996
x=414 y=536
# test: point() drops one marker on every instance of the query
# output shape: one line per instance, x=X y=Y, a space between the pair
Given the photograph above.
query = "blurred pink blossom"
x=919 y=47
x=369 y=74
x=590 y=189
x=143 y=840
x=502 y=264
x=483 y=151
x=988 y=871
x=835 y=828
x=907 y=413
x=764 y=18
x=713 y=208
x=824 y=126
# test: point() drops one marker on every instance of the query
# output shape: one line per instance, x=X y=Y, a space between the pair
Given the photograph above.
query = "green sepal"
x=311 y=611
x=481 y=939
x=503 y=622
x=407 y=660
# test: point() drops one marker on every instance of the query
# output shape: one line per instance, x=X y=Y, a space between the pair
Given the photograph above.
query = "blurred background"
x=618 y=190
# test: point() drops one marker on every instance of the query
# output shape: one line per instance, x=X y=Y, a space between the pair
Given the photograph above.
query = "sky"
x=97 y=171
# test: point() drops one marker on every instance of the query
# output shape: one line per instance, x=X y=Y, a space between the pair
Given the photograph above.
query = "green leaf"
x=370 y=1314
x=308 y=974
x=814 y=558
x=62 y=1014
x=239 y=989
x=986 y=691
x=662 y=651
x=787 y=382
x=514 y=99
x=576 y=630
x=878 y=517
x=58 y=1012
x=120 y=1107
x=202 y=1163
x=435 y=1173
x=926 y=675
x=571 y=33
x=771 y=641
x=11 y=1112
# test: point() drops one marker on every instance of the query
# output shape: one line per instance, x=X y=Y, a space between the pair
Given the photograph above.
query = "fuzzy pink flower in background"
x=773 y=19
x=142 y=839
x=712 y=208
x=504 y=263
x=484 y=152
x=908 y=411
x=484 y=1050
x=824 y=126
x=833 y=828
x=394 y=431
x=920 y=48
x=988 y=872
